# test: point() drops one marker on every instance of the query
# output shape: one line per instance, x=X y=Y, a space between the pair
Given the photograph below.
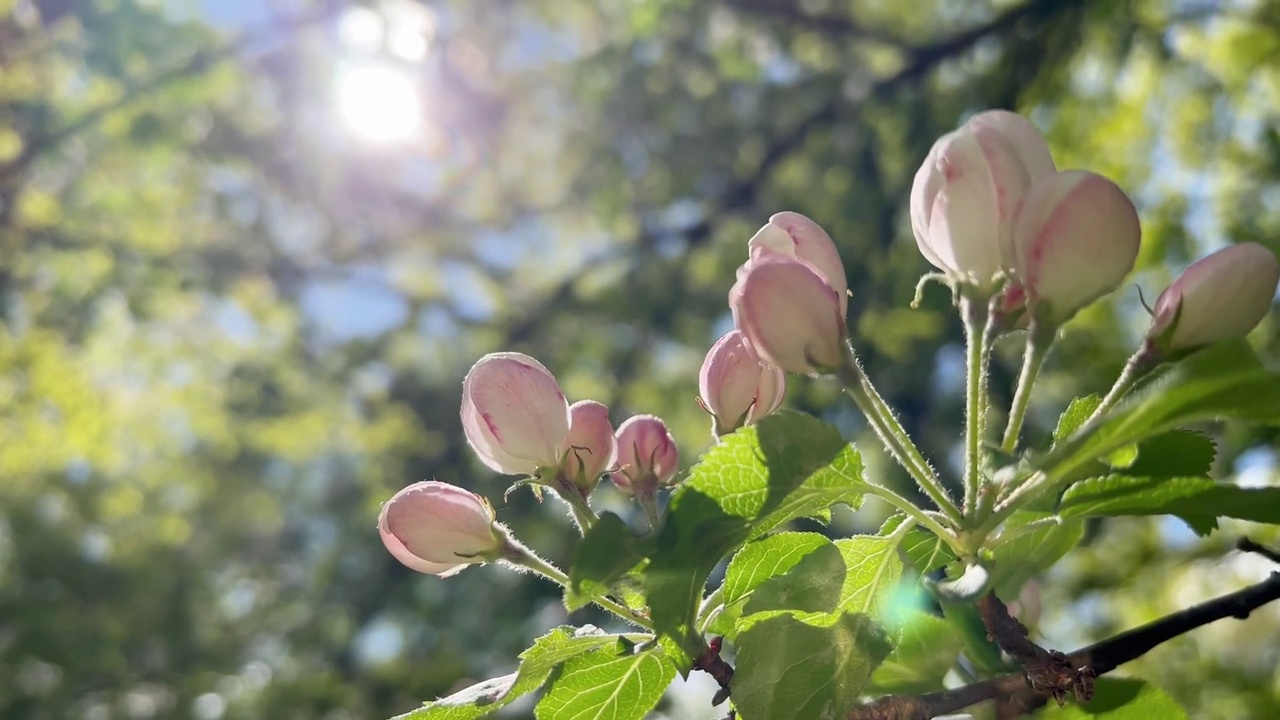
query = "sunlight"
x=379 y=103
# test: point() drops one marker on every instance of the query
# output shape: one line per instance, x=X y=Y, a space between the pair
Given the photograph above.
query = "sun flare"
x=379 y=103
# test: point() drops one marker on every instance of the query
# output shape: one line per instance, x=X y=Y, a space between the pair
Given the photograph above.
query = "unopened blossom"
x=736 y=386
x=514 y=414
x=647 y=456
x=790 y=314
x=592 y=445
x=966 y=194
x=1222 y=296
x=1075 y=240
x=439 y=529
x=793 y=235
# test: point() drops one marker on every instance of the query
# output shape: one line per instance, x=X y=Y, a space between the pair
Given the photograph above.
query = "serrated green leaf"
x=755 y=563
x=1224 y=380
x=607 y=684
x=1028 y=545
x=1120 y=699
x=789 y=465
x=605 y=554
x=1197 y=500
x=1078 y=410
x=536 y=664
x=1174 y=453
x=872 y=573
x=927 y=647
x=813 y=667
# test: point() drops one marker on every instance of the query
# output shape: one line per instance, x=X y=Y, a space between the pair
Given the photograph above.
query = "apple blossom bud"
x=965 y=197
x=1218 y=297
x=592 y=444
x=791 y=234
x=513 y=414
x=789 y=314
x=439 y=529
x=647 y=456
x=736 y=386
x=1075 y=239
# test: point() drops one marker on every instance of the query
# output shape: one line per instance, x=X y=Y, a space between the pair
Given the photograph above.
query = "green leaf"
x=1029 y=544
x=1224 y=380
x=872 y=572
x=927 y=648
x=536 y=664
x=1078 y=410
x=1120 y=699
x=789 y=465
x=607 y=684
x=1197 y=500
x=1174 y=453
x=605 y=554
x=756 y=563
x=814 y=667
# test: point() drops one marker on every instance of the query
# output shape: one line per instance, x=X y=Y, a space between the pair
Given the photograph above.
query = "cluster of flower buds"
x=518 y=422
x=989 y=207
x=991 y=210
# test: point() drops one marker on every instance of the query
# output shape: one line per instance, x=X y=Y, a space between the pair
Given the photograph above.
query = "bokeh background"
x=249 y=248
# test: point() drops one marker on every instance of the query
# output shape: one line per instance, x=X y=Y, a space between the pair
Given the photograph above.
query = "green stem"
x=919 y=516
x=583 y=515
x=1032 y=360
x=892 y=434
x=974 y=316
x=1138 y=364
x=517 y=554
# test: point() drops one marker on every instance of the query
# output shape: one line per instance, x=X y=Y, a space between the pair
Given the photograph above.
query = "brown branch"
x=1101 y=658
x=1047 y=671
x=711 y=663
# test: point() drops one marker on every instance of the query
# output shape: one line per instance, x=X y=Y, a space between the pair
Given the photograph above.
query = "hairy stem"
x=1038 y=340
x=892 y=434
x=517 y=554
x=975 y=336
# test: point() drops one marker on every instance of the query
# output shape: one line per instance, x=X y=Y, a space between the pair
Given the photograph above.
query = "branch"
x=1101 y=658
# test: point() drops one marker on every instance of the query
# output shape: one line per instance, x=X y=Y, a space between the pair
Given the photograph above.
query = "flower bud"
x=1076 y=238
x=592 y=444
x=789 y=314
x=513 y=414
x=736 y=386
x=965 y=196
x=1221 y=296
x=647 y=456
x=438 y=529
x=793 y=235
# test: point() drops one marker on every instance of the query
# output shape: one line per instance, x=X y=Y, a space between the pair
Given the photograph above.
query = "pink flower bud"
x=736 y=386
x=1221 y=296
x=513 y=414
x=647 y=456
x=793 y=235
x=438 y=529
x=965 y=196
x=789 y=314
x=592 y=444
x=1076 y=238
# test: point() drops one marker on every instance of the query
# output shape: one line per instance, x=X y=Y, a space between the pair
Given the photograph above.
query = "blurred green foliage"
x=229 y=329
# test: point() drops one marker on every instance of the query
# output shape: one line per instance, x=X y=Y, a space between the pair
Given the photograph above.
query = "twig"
x=1247 y=545
x=711 y=663
x=1048 y=671
x=1100 y=658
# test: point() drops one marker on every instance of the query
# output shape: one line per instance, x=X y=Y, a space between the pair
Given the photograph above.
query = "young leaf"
x=1174 y=453
x=927 y=648
x=1029 y=544
x=607 y=684
x=607 y=552
x=1222 y=380
x=872 y=571
x=536 y=663
x=789 y=465
x=813 y=667
x=755 y=563
x=1119 y=699
x=1197 y=500
x=1078 y=410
